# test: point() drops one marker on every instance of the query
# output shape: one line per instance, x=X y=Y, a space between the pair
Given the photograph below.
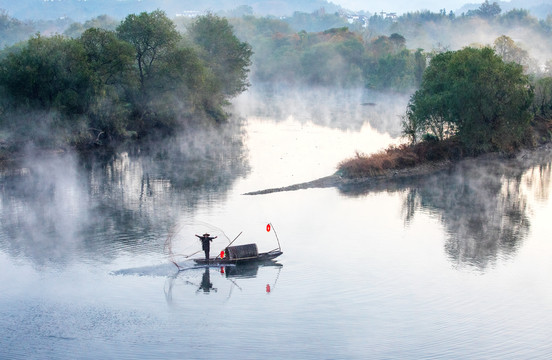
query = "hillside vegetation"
x=143 y=78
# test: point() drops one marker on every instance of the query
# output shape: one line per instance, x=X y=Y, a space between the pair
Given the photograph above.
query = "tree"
x=153 y=36
x=542 y=104
x=486 y=10
x=398 y=42
x=105 y=22
x=110 y=61
x=227 y=57
x=109 y=58
x=48 y=73
x=507 y=49
x=473 y=95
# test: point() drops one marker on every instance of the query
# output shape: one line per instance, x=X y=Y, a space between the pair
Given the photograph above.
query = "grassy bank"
x=405 y=156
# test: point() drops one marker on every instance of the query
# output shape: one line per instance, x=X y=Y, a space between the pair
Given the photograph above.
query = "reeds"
x=399 y=157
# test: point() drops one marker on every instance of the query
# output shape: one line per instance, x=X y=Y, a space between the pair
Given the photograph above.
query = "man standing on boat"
x=206 y=244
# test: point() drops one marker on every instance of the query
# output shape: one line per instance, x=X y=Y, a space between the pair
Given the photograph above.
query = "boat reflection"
x=205 y=280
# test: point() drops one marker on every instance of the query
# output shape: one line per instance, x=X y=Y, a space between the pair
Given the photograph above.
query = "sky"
x=401 y=6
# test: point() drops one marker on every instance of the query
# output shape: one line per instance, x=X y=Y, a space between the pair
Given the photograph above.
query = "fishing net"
x=181 y=243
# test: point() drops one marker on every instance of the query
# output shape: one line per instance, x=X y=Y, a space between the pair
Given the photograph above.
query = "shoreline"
x=525 y=157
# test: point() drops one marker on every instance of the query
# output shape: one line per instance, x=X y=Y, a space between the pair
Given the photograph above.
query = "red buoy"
x=222 y=254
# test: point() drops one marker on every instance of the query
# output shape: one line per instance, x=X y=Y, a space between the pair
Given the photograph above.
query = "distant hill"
x=538 y=8
x=85 y=9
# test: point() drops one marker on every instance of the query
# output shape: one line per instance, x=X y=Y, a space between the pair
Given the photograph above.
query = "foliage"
x=103 y=85
x=333 y=57
x=486 y=10
x=227 y=57
x=110 y=61
x=471 y=94
x=105 y=22
x=48 y=73
x=509 y=51
x=389 y=65
x=153 y=36
x=542 y=103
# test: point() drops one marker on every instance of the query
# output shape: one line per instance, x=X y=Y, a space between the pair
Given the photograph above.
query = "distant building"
x=386 y=15
x=189 y=14
x=355 y=18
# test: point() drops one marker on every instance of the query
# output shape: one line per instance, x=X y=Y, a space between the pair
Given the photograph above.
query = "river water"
x=455 y=265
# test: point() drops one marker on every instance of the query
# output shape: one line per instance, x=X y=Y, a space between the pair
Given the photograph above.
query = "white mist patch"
x=45 y=214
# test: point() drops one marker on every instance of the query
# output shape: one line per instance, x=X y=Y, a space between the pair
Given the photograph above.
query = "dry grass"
x=399 y=157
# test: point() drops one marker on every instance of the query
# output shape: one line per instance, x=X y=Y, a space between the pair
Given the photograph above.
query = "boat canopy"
x=242 y=251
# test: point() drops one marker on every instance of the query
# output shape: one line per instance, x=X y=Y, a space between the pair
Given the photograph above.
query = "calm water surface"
x=452 y=266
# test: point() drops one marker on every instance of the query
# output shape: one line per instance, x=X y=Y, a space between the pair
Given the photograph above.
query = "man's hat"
x=206 y=234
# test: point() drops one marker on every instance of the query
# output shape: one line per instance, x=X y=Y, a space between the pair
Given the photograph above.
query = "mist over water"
x=453 y=265
x=60 y=208
x=344 y=109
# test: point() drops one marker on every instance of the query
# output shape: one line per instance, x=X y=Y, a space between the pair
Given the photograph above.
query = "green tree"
x=542 y=103
x=227 y=57
x=110 y=61
x=153 y=36
x=393 y=71
x=398 y=42
x=105 y=22
x=486 y=10
x=109 y=58
x=48 y=73
x=475 y=96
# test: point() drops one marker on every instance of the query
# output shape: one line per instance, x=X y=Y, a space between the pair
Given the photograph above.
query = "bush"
x=399 y=157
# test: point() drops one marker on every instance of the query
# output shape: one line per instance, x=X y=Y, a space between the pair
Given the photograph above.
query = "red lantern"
x=268 y=227
x=222 y=254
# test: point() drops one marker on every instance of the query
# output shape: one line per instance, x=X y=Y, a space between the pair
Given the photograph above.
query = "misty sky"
x=401 y=6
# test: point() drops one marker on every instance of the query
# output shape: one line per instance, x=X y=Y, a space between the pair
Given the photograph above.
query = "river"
x=454 y=265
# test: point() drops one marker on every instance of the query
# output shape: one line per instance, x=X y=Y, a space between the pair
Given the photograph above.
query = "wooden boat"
x=240 y=254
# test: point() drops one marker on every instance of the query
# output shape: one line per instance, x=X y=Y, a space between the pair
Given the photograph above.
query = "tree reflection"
x=484 y=212
x=60 y=207
x=483 y=204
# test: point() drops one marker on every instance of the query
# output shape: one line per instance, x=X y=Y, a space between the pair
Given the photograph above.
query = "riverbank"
x=522 y=159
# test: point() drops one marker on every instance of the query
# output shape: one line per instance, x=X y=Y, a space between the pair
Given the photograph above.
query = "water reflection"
x=485 y=205
x=59 y=208
x=202 y=280
x=206 y=284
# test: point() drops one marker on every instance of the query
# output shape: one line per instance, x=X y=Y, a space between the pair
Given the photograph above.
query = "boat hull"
x=262 y=257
